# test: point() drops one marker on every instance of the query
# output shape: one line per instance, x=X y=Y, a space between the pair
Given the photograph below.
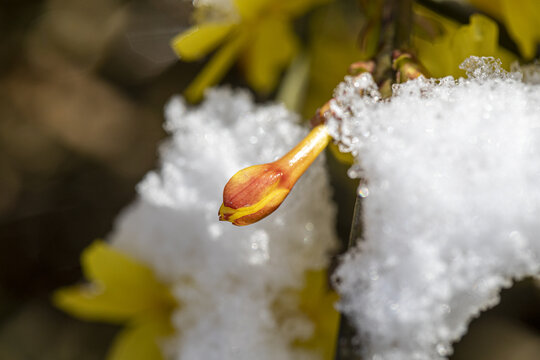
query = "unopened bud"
x=255 y=192
x=407 y=67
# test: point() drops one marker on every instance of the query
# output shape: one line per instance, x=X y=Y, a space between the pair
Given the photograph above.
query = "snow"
x=227 y=278
x=451 y=209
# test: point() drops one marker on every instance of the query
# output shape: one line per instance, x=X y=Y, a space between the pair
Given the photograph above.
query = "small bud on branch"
x=407 y=67
x=255 y=192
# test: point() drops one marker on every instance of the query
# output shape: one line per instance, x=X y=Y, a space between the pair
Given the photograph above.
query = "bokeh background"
x=82 y=88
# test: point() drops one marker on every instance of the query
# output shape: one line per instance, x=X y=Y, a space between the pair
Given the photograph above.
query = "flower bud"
x=407 y=67
x=255 y=192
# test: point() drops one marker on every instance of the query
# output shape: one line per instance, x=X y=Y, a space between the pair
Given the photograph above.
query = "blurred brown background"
x=82 y=88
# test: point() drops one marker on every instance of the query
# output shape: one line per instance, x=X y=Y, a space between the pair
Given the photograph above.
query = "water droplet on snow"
x=363 y=191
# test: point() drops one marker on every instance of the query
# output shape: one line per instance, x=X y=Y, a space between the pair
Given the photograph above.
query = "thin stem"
x=356 y=224
x=403 y=19
x=396 y=27
x=345 y=348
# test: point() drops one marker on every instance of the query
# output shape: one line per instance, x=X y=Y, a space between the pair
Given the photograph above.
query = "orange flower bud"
x=255 y=192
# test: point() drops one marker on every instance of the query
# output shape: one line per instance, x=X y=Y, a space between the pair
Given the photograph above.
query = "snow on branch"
x=453 y=212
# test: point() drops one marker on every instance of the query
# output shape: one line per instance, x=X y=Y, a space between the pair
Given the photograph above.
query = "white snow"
x=227 y=278
x=452 y=214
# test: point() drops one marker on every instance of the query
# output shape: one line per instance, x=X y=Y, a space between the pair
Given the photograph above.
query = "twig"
x=345 y=347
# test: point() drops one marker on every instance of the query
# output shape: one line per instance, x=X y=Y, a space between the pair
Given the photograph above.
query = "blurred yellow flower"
x=442 y=56
x=520 y=18
x=260 y=32
x=124 y=291
x=121 y=290
x=317 y=302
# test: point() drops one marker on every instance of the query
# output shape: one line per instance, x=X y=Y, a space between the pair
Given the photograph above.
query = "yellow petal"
x=216 y=68
x=121 y=288
x=112 y=268
x=248 y=9
x=197 y=41
x=274 y=47
x=443 y=56
x=479 y=38
x=95 y=304
x=521 y=19
x=140 y=341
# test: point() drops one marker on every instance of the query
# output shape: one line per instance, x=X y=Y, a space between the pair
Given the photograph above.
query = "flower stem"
x=345 y=347
x=395 y=33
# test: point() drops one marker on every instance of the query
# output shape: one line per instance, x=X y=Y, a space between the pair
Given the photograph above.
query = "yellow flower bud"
x=255 y=192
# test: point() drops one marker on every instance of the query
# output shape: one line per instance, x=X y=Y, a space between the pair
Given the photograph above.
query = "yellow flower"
x=261 y=34
x=255 y=192
x=443 y=56
x=125 y=291
x=520 y=18
x=121 y=290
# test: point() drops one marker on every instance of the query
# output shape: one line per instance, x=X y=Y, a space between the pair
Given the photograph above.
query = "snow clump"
x=226 y=278
x=453 y=211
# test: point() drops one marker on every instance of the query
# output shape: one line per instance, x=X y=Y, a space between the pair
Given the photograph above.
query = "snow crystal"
x=453 y=208
x=227 y=278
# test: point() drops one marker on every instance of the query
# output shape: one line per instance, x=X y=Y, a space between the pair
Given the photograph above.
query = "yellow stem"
x=296 y=161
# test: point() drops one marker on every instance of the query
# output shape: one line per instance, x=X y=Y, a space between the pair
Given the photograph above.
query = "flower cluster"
x=258 y=31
